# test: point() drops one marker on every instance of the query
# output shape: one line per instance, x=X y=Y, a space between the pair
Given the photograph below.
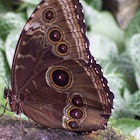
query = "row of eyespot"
x=55 y=35
x=76 y=113
x=61 y=78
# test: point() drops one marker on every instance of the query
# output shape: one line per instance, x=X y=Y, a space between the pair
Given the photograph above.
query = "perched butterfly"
x=55 y=80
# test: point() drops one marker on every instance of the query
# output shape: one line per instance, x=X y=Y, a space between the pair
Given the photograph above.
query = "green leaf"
x=135 y=50
x=127 y=95
x=4 y=69
x=9 y=22
x=127 y=125
x=90 y=14
x=97 y=4
x=30 y=10
x=2 y=64
x=135 y=55
x=107 y=26
x=137 y=76
x=134 y=103
x=122 y=64
x=102 y=48
x=10 y=45
x=133 y=28
x=136 y=133
x=2 y=100
x=121 y=106
x=5 y=6
x=1 y=44
x=33 y=2
x=125 y=66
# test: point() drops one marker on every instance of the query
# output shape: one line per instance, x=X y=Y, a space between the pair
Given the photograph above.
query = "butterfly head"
x=12 y=100
x=7 y=93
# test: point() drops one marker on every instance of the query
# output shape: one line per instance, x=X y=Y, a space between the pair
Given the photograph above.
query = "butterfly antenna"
x=4 y=81
x=6 y=102
x=4 y=109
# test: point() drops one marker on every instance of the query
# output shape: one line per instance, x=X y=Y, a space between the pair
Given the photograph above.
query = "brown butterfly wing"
x=56 y=79
x=41 y=103
x=53 y=104
x=33 y=46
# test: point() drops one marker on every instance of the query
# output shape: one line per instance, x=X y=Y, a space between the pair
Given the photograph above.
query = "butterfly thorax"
x=12 y=100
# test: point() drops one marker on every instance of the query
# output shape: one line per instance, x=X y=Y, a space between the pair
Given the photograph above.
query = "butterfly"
x=55 y=80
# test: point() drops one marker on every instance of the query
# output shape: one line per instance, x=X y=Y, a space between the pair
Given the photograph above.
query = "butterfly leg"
x=22 y=126
x=5 y=109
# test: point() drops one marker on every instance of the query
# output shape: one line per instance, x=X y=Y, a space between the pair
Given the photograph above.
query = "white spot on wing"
x=19 y=67
x=32 y=15
x=27 y=27
x=34 y=25
x=26 y=56
x=38 y=6
x=46 y=4
x=34 y=84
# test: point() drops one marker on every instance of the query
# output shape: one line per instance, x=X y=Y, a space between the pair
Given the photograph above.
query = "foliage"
x=116 y=50
x=96 y=4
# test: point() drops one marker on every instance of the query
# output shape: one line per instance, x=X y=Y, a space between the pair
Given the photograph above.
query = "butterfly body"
x=55 y=80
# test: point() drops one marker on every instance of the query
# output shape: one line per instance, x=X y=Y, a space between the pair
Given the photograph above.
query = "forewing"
x=38 y=46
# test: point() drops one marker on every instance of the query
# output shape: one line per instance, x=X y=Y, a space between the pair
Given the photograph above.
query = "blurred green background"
x=114 y=42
